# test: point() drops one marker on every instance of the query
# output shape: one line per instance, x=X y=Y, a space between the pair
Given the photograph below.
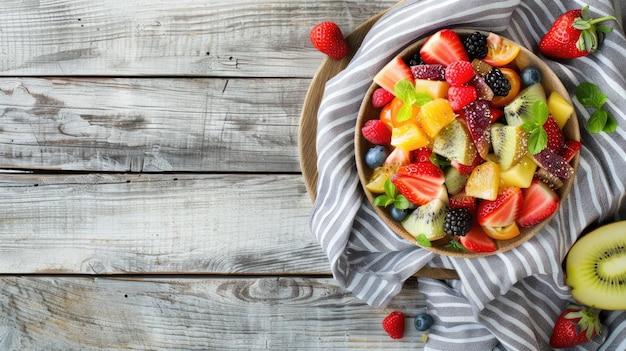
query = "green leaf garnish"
x=611 y=124
x=455 y=245
x=597 y=121
x=590 y=95
x=392 y=197
x=423 y=240
x=405 y=91
x=537 y=136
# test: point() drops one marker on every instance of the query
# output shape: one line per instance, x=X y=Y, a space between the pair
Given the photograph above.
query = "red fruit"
x=425 y=171
x=575 y=326
x=476 y=240
x=416 y=190
x=459 y=72
x=393 y=324
x=381 y=97
x=483 y=90
x=496 y=113
x=327 y=38
x=422 y=154
x=570 y=149
x=376 y=132
x=554 y=163
x=556 y=140
x=478 y=117
x=573 y=35
x=430 y=72
x=462 y=200
x=540 y=202
x=467 y=169
x=443 y=47
x=460 y=97
x=393 y=72
x=398 y=156
x=502 y=211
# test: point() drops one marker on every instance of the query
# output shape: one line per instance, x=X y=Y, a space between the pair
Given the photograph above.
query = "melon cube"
x=521 y=174
x=559 y=108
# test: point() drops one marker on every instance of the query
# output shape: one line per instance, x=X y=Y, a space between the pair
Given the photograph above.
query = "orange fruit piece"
x=516 y=86
x=409 y=136
x=389 y=113
x=435 y=88
x=503 y=233
x=434 y=115
x=500 y=51
x=484 y=181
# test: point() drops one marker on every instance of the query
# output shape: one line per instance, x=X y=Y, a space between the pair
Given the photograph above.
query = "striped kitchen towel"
x=507 y=301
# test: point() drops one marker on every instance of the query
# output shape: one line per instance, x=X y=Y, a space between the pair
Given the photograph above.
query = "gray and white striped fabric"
x=507 y=301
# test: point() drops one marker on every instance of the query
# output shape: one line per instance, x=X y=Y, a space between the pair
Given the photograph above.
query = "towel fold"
x=507 y=301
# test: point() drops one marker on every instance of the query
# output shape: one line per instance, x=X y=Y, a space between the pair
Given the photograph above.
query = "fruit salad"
x=465 y=148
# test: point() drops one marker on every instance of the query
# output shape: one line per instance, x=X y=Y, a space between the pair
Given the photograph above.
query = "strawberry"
x=570 y=149
x=467 y=169
x=573 y=35
x=540 y=202
x=575 y=326
x=478 y=117
x=393 y=324
x=381 y=97
x=476 y=240
x=556 y=139
x=443 y=47
x=462 y=200
x=430 y=72
x=459 y=72
x=461 y=96
x=502 y=211
x=376 y=132
x=418 y=191
x=426 y=171
x=422 y=154
x=327 y=38
x=393 y=72
x=496 y=113
x=398 y=156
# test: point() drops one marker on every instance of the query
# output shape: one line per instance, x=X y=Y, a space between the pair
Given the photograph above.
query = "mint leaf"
x=455 y=245
x=404 y=90
x=597 y=121
x=422 y=99
x=540 y=113
x=402 y=202
x=405 y=112
x=590 y=95
x=423 y=240
x=537 y=140
x=611 y=124
x=383 y=200
x=390 y=188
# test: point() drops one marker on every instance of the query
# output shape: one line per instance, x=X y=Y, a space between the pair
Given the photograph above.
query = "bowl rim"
x=550 y=82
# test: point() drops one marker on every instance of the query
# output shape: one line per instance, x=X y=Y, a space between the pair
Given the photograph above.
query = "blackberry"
x=415 y=59
x=457 y=222
x=498 y=82
x=476 y=45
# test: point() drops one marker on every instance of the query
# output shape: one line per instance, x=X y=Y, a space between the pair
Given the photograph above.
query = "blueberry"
x=375 y=157
x=423 y=321
x=530 y=75
x=398 y=214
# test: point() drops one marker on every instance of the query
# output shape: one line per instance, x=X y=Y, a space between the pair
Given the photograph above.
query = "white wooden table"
x=150 y=180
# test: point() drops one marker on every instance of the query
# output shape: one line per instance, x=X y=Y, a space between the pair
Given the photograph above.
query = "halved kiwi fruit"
x=596 y=267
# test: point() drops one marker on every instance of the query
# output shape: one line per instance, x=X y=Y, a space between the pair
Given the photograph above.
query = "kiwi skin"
x=595 y=268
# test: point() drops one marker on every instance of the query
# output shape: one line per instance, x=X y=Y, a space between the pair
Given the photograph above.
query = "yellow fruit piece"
x=521 y=174
x=502 y=233
x=559 y=108
x=379 y=177
x=434 y=115
x=437 y=89
x=409 y=137
x=484 y=181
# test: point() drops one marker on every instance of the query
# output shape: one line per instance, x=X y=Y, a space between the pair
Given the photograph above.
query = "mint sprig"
x=423 y=240
x=405 y=91
x=392 y=197
x=590 y=96
x=537 y=136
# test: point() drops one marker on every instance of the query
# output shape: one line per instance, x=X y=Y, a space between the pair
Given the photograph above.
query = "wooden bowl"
x=571 y=131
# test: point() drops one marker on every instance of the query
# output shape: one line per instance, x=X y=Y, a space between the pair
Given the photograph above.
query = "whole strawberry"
x=575 y=326
x=328 y=39
x=394 y=324
x=573 y=35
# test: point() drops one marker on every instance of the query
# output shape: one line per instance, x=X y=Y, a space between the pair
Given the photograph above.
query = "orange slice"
x=500 y=51
x=502 y=233
x=389 y=114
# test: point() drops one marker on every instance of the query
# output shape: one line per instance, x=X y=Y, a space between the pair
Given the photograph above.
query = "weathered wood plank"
x=71 y=313
x=151 y=125
x=157 y=223
x=187 y=37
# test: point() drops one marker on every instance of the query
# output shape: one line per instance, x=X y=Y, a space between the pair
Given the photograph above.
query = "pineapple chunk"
x=560 y=109
x=434 y=115
x=521 y=174
x=484 y=181
x=436 y=88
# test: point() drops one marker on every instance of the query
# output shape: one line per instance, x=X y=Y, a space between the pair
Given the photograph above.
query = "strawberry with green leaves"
x=573 y=35
x=575 y=326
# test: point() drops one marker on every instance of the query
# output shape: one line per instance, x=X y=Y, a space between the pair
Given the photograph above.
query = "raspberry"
x=381 y=97
x=476 y=45
x=459 y=97
x=498 y=82
x=459 y=73
x=376 y=132
x=430 y=72
x=457 y=222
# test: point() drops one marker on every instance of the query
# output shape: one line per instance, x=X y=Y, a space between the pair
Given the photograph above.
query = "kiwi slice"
x=510 y=144
x=520 y=109
x=596 y=268
x=454 y=142
x=428 y=220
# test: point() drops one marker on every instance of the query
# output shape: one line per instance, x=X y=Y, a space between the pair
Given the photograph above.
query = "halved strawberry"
x=540 y=202
x=462 y=200
x=418 y=191
x=398 y=156
x=476 y=240
x=478 y=117
x=395 y=71
x=426 y=171
x=496 y=113
x=570 y=149
x=443 y=47
x=467 y=169
x=556 y=140
x=502 y=211
x=422 y=154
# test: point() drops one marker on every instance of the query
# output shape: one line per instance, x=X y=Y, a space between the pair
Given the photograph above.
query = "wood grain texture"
x=163 y=223
x=250 y=38
x=73 y=313
x=151 y=125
